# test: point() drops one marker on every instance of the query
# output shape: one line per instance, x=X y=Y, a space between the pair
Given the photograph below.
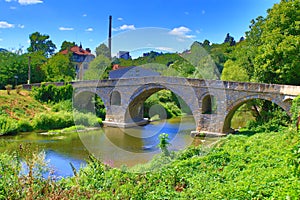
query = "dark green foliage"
x=52 y=94
x=41 y=43
x=270 y=118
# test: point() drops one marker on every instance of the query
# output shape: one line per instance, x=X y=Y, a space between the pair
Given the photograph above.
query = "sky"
x=166 y=25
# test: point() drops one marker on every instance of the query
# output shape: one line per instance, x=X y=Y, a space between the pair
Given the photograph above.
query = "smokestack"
x=109 y=35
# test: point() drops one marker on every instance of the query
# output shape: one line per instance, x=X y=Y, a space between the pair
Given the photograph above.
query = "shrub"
x=47 y=121
x=63 y=106
x=8 y=88
x=52 y=93
x=87 y=119
x=24 y=126
x=7 y=125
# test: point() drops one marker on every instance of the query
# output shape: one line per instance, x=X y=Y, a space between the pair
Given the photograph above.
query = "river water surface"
x=114 y=146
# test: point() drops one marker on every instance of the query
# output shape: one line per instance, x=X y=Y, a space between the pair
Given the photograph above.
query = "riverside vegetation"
x=249 y=165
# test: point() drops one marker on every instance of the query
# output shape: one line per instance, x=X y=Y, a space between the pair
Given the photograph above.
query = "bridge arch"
x=84 y=100
x=134 y=108
x=231 y=109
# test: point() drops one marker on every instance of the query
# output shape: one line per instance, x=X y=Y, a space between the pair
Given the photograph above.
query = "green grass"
x=20 y=106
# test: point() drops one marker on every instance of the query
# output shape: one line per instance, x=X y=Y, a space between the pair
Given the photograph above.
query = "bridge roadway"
x=212 y=102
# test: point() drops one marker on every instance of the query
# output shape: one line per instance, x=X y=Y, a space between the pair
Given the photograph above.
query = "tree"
x=39 y=42
x=277 y=60
x=229 y=39
x=67 y=45
x=98 y=68
x=59 y=68
x=233 y=72
x=102 y=49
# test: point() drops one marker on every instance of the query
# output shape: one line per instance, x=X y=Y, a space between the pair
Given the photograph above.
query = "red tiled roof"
x=77 y=50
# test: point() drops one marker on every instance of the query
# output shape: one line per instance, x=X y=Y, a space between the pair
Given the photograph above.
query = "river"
x=114 y=146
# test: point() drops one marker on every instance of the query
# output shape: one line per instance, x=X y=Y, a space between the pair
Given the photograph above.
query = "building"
x=81 y=58
x=124 y=54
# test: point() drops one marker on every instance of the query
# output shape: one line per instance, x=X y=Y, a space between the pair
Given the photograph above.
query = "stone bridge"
x=212 y=102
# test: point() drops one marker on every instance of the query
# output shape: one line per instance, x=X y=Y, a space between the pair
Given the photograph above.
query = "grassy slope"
x=20 y=106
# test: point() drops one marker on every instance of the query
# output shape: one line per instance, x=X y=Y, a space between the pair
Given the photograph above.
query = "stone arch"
x=83 y=100
x=115 y=98
x=134 y=108
x=231 y=109
x=209 y=105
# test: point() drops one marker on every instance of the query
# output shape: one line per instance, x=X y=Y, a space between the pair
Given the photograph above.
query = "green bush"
x=87 y=119
x=47 y=121
x=52 y=93
x=8 y=125
x=63 y=106
x=276 y=119
x=24 y=126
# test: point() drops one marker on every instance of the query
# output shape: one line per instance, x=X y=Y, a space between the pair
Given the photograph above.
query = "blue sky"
x=164 y=24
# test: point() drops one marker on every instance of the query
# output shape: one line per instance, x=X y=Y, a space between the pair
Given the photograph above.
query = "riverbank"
x=248 y=165
x=20 y=112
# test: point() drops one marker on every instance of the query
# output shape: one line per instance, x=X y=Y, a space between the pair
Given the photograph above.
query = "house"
x=81 y=58
x=120 y=72
x=124 y=54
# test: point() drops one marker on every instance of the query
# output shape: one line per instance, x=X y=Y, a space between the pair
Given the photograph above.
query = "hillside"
x=20 y=106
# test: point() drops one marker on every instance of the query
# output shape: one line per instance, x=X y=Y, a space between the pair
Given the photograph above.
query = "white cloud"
x=13 y=8
x=4 y=24
x=29 y=2
x=120 y=19
x=182 y=32
x=124 y=28
x=66 y=29
x=89 y=29
x=84 y=15
x=127 y=27
x=9 y=0
x=21 y=26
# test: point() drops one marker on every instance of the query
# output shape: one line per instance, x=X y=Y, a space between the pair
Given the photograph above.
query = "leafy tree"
x=39 y=42
x=278 y=60
x=229 y=39
x=233 y=72
x=59 y=68
x=98 y=68
x=102 y=49
x=67 y=45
